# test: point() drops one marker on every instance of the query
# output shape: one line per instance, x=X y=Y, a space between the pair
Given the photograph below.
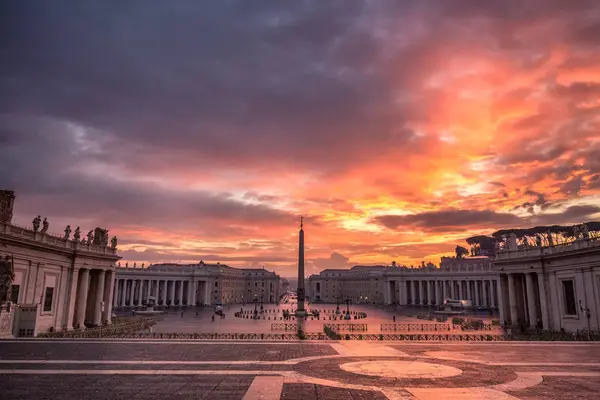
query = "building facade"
x=466 y=279
x=194 y=284
x=552 y=286
x=556 y=287
x=60 y=283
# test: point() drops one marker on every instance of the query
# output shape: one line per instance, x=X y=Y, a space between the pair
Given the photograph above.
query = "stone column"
x=180 y=293
x=512 y=299
x=432 y=292
x=82 y=292
x=156 y=290
x=453 y=289
x=415 y=289
x=501 y=290
x=460 y=290
x=131 y=292
x=485 y=292
x=164 y=292
x=469 y=293
x=173 y=292
x=477 y=298
x=109 y=283
x=149 y=290
x=543 y=303
x=99 y=296
x=72 y=300
x=531 y=301
x=116 y=293
x=444 y=291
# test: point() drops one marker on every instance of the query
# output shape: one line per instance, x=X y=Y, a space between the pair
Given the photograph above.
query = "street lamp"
x=337 y=308
x=587 y=315
x=255 y=305
x=262 y=296
x=348 y=308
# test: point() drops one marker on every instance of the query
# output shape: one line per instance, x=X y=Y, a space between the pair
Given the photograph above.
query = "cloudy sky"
x=198 y=130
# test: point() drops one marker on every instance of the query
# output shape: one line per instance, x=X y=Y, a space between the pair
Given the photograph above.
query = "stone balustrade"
x=21 y=233
x=548 y=250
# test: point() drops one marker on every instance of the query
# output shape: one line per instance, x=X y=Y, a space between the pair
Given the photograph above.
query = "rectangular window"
x=216 y=284
x=569 y=293
x=48 y=299
x=14 y=295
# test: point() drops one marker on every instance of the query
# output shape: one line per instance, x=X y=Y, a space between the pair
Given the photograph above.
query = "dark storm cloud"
x=222 y=78
x=447 y=220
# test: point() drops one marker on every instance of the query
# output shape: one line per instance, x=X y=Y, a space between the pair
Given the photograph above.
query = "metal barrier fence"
x=119 y=329
x=347 y=327
x=284 y=327
x=416 y=327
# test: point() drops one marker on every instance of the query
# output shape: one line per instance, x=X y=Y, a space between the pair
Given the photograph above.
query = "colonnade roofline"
x=37 y=239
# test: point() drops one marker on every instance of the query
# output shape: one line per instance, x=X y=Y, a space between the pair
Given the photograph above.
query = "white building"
x=555 y=286
x=194 y=284
x=59 y=283
x=466 y=279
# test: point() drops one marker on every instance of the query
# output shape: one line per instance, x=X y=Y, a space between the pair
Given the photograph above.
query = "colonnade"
x=524 y=300
x=481 y=292
x=93 y=302
x=135 y=292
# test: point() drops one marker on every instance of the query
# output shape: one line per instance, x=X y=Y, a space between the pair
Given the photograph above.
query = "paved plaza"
x=153 y=369
x=198 y=319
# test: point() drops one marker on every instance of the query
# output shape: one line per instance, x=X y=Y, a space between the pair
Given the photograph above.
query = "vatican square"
x=316 y=199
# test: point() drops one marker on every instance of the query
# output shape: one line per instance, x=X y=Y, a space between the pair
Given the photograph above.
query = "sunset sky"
x=198 y=130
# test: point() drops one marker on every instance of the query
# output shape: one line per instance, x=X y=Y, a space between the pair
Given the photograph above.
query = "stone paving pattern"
x=86 y=369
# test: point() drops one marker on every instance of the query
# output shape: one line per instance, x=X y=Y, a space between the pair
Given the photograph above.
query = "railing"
x=348 y=327
x=118 y=329
x=284 y=327
x=416 y=327
x=52 y=239
x=547 y=250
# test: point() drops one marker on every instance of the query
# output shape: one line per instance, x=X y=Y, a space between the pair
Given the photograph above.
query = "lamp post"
x=255 y=305
x=337 y=308
x=262 y=296
x=588 y=316
x=348 y=308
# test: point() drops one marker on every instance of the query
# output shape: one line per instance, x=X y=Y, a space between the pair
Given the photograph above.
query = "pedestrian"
x=213 y=318
x=182 y=314
x=394 y=319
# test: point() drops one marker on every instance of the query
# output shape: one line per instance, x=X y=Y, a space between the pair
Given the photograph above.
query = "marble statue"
x=36 y=223
x=512 y=242
x=90 y=237
x=550 y=238
x=119 y=264
x=134 y=265
x=77 y=234
x=67 y=232
x=525 y=242
x=113 y=242
x=497 y=246
x=105 y=238
x=538 y=240
x=585 y=233
x=7 y=276
x=45 y=225
x=576 y=232
x=143 y=265
x=126 y=265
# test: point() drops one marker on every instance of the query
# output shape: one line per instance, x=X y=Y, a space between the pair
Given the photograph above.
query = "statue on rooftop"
x=585 y=233
x=113 y=242
x=77 y=234
x=36 y=223
x=576 y=232
x=538 y=240
x=45 y=225
x=134 y=265
x=90 y=237
x=67 y=232
x=497 y=246
x=525 y=242
x=7 y=276
x=550 y=238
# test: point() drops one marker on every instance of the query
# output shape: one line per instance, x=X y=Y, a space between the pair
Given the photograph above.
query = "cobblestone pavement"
x=153 y=369
x=198 y=319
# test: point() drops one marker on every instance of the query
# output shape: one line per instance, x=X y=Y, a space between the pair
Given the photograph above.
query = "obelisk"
x=301 y=312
